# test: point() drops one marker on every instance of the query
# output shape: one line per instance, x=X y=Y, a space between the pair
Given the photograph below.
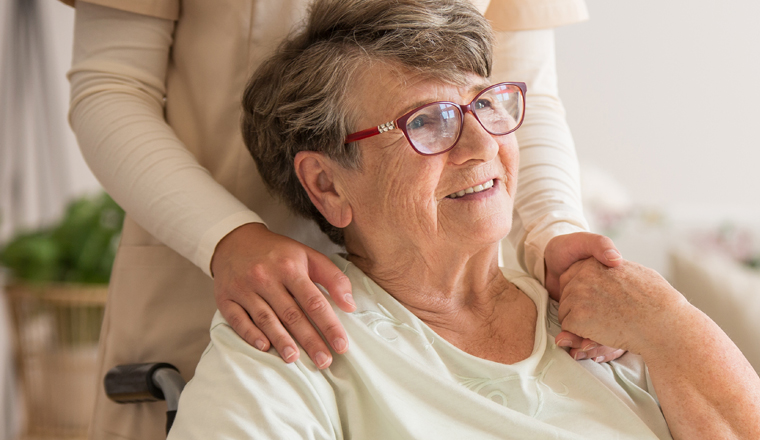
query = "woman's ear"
x=316 y=173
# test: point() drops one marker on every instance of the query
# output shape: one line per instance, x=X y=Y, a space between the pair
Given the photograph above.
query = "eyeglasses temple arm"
x=364 y=134
x=359 y=135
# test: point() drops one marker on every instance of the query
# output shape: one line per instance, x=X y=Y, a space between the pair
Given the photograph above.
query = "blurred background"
x=661 y=98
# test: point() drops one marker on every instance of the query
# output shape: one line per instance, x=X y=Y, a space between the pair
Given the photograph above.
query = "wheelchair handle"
x=149 y=382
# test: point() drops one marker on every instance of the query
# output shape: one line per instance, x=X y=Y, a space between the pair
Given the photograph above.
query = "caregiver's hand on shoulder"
x=628 y=306
x=261 y=277
x=561 y=253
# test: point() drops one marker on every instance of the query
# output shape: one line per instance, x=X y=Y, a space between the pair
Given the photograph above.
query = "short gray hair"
x=297 y=99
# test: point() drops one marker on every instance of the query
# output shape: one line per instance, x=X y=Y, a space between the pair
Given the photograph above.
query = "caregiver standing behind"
x=155 y=105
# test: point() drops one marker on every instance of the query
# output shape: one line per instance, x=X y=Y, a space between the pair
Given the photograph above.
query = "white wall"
x=58 y=22
x=60 y=19
x=665 y=95
x=42 y=169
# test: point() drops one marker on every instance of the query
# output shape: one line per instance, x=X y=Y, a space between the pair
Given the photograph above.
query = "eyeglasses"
x=435 y=128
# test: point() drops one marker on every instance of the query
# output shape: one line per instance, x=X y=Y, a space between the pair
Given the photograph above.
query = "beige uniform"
x=140 y=64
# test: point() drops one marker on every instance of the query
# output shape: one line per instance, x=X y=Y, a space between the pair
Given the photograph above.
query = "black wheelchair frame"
x=149 y=382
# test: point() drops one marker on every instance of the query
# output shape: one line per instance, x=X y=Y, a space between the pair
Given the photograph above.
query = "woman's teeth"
x=472 y=189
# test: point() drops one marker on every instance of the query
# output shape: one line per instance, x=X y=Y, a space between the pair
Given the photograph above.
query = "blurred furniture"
x=56 y=329
x=725 y=289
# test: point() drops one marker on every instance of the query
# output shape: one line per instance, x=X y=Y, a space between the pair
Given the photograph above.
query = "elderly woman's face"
x=401 y=196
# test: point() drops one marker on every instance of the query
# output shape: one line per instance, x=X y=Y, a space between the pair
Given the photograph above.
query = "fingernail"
x=259 y=344
x=590 y=346
x=287 y=353
x=349 y=299
x=579 y=356
x=599 y=359
x=564 y=343
x=339 y=344
x=322 y=359
x=612 y=255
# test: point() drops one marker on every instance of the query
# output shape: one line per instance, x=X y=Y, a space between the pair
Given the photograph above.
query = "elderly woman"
x=445 y=344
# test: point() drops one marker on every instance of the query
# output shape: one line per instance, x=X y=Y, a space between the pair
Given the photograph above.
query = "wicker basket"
x=56 y=330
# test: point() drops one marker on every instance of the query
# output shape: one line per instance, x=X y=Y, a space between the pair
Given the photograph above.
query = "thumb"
x=604 y=250
x=323 y=272
x=581 y=245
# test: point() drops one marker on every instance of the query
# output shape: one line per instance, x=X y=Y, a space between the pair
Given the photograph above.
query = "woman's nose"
x=475 y=143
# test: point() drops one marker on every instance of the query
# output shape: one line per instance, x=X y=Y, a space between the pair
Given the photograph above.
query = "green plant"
x=79 y=249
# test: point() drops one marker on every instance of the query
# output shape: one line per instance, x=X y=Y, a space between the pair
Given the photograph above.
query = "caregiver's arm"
x=548 y=223
x=706 y=387
x=548 y=202
x=117 y=112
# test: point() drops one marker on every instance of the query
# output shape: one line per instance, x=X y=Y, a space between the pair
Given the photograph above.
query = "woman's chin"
x=483 y=221
x=485 y=232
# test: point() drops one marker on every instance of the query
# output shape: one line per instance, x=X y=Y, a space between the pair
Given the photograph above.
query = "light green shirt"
x=400 y=380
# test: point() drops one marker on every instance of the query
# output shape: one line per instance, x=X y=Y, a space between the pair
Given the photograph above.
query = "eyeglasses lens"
x=499 y=108
x=435 y=128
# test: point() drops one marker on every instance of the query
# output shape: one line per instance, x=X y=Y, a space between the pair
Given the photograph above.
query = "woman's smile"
x=477 y=191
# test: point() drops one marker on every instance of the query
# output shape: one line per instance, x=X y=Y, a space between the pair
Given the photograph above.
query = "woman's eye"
x=416 y=123
x=482 y=103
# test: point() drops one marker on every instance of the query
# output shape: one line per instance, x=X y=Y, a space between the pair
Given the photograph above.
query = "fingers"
x=264 y=287
x=588 y=349
x=605 y=354
x=258 y=314
x=323 y=272
x=580 y=348
x=603 y=249
x=565 y=250
x=314 y=303
x=239 y=320
x=599 y=354
x=281 y=320
x=568 y=340
x=289 y=319
x=568 y=276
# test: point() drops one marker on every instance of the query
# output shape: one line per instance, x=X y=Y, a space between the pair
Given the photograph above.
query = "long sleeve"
x=548 y=201
x=117 y=112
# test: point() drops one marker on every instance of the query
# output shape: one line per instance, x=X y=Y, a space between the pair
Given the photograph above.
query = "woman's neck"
x=437 y=281
x=464 y=297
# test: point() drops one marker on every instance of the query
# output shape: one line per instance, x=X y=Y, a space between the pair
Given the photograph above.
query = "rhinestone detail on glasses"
x=388 y=126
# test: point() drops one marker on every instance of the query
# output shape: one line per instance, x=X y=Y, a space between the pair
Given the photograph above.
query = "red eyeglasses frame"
x=400 y=122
